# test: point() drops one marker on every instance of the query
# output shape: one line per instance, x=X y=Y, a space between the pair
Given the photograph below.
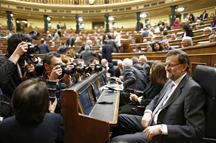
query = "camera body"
x=28 y=57
x=98 y=67
x=68 y=69
x=32 y=49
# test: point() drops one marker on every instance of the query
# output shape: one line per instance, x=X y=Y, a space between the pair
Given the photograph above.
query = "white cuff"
x=139 y=100
x=148 y=111
x=1 y=119
x=164 y=129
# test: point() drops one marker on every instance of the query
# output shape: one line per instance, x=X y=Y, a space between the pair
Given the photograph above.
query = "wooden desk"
x=107 y=112
x=94 y=127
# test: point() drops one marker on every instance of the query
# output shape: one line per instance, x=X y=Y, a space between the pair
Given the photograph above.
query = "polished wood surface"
x=81 y=128
x=92 y=128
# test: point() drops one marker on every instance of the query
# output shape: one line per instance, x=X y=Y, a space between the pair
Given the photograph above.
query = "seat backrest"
x=206 y=77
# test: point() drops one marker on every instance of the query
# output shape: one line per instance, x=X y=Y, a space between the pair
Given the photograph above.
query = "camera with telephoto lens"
x=98 y=67
x=68 y=69
x=72 y=69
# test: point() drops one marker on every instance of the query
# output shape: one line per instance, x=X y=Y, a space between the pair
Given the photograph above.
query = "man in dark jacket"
x=10 y=65
x=43 y=48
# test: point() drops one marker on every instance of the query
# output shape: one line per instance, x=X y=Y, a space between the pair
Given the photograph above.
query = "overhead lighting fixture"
x=143 y=15
x=80 y=19
x=24 y=21
x=180 y=9
x=48 y=18
x=111 y=18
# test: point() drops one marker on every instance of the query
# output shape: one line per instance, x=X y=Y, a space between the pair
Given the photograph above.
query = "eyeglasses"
x=171 y=65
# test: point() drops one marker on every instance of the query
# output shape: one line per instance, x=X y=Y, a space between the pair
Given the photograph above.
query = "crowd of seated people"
x=77 y=42
x=135 y=77
x=140 y=85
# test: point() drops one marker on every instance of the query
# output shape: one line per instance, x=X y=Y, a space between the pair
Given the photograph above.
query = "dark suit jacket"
x=107 y=50
x=183 y=113
x=204 y=16
x=118 y=72
x=70 y=41
x=189 y=33
x=43 y=48
x=133 y=79
x=9 y=76
x=148 y=94
x=49 y=131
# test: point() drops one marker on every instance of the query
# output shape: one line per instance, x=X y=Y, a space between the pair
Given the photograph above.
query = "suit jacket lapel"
x=177 y=91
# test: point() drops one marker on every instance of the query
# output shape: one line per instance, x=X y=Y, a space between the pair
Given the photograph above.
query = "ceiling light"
x=180 y=9
x=143 y=15
x=48 y=18
x=80 y=19
x=111 y=18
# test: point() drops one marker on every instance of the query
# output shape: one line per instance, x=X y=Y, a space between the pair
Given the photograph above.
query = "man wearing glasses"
x=176 y=115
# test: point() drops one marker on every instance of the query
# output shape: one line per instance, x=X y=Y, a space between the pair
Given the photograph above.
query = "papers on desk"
x=117 y=87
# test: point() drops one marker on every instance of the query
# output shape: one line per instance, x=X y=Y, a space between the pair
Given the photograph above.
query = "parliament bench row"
x=88 y=112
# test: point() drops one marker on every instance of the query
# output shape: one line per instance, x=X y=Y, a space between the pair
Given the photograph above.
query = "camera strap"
x=19 y=71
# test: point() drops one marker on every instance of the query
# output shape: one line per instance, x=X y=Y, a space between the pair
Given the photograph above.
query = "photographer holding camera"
x=55 y=76
x=11 y=64
x=53 y=69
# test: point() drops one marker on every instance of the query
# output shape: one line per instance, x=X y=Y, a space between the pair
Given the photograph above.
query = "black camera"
x=68 y=69
x=28 y=56
x=98 y=67
x=32 y=49
x=87 y=69
x=53 y=90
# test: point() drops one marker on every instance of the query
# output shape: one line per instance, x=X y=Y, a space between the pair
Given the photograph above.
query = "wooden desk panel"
x=107 y=112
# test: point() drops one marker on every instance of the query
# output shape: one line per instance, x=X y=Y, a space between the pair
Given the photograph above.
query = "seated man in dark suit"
x=175 y=116
x=134 y=81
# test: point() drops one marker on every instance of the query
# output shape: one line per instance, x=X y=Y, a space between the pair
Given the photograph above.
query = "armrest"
x=208 y=140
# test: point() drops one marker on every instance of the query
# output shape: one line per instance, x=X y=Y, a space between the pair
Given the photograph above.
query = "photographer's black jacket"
x=9 y=76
